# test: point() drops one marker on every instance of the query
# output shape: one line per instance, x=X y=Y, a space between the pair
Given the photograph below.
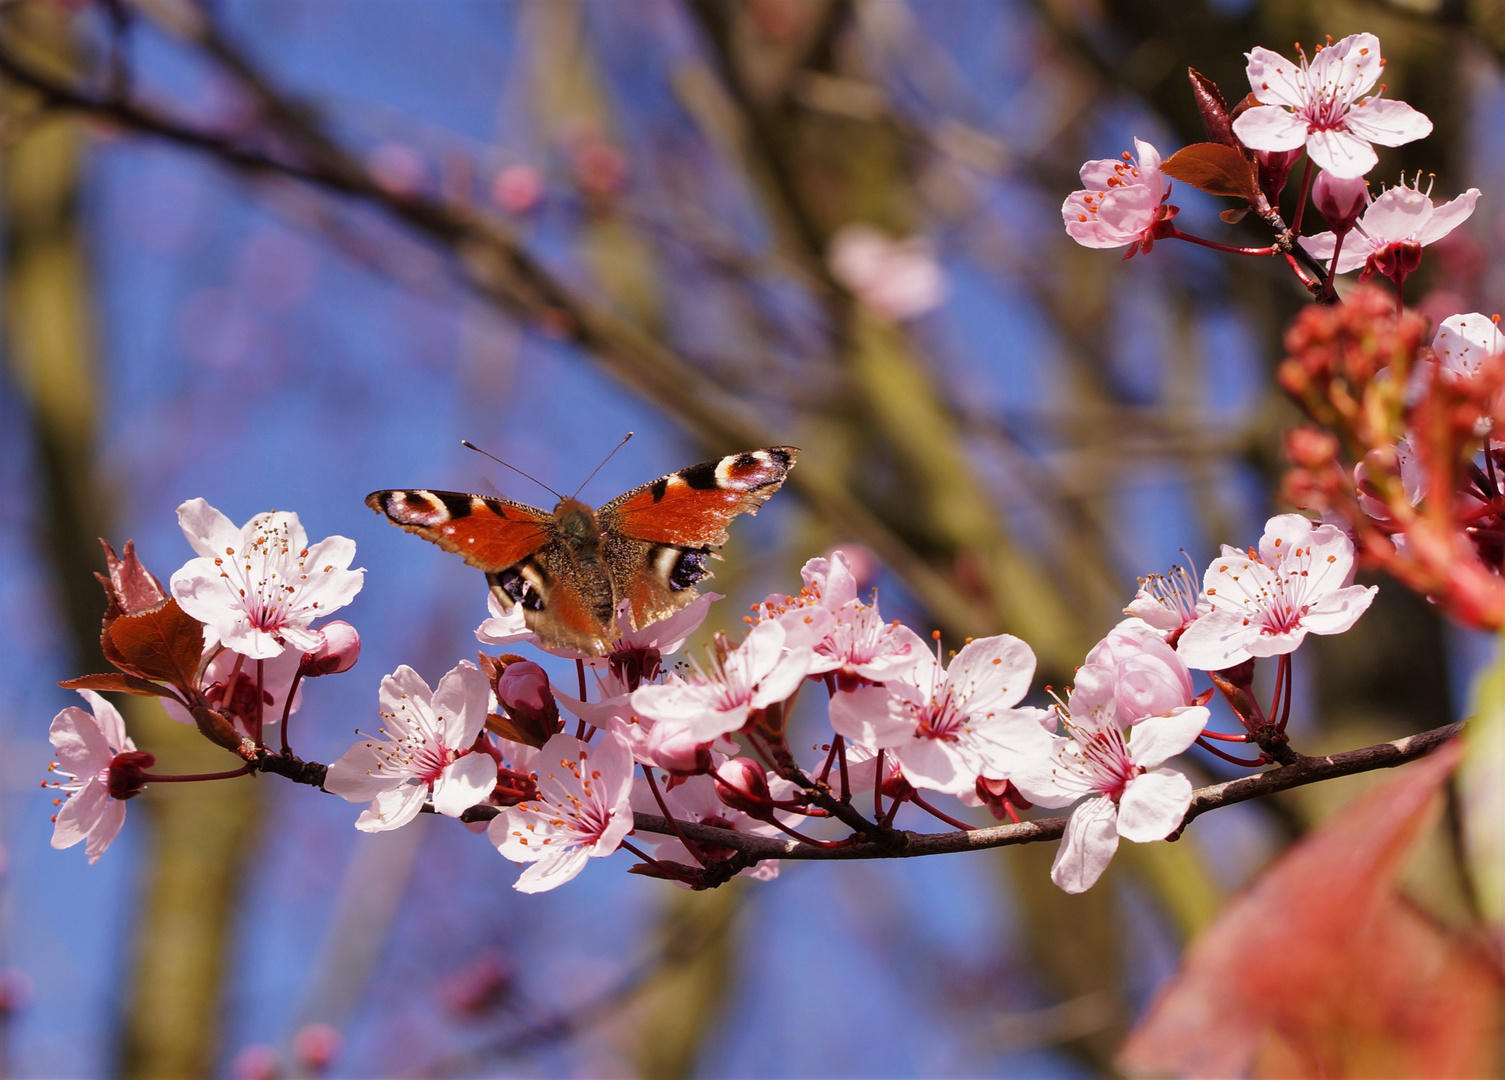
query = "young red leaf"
x=130 y=587
x=165 y=643
x=1215 y=169
x=1213 y=108
x=114 y=681
x=1323 y=969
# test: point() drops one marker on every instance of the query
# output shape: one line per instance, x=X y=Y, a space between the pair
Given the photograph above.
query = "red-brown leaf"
x=131 y=587
x=116 y=681
x=1213 y=108
x=1323 y=969
x=165 y=643
x=1215 y=169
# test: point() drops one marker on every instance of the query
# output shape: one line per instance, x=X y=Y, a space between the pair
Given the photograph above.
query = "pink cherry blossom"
x=1127 y=794
x=946 y=727
x=582 y=811
x=338 y=651
x=1320 y=104
x=1402 y=216
x=86 y=746
x=428 y=736
x=1122 y=204
x=720 y=698
x=259 y=586
x=1265 y=603
x=1464 y=342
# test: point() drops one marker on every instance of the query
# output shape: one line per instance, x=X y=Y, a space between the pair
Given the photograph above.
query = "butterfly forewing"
x=489 y=533
x=692 y=507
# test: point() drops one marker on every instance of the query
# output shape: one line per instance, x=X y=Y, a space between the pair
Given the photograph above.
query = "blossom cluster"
x=1326 y=106
x=1403 y=451
x=705 y=743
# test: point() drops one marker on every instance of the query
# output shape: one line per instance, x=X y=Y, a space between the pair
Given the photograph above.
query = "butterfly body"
x=569 y=569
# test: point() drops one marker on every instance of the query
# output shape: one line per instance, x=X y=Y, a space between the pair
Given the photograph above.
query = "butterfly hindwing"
x=493 y=534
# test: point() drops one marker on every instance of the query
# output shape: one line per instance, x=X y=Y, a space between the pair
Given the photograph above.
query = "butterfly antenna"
x=601 y=466
x=472 y=446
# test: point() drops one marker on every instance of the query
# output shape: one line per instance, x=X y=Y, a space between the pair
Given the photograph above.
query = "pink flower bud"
x=1152 y=684
x=742 y=784
x=523 y=691
x=340 y=650
x=479 y=987
x=126 y=779
x=316 y=1046
x=257 y=1062
x=1339 y=201
x=676 y=751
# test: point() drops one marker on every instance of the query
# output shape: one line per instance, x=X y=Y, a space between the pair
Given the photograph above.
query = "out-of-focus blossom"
x=1123 y=203
x=1321 y=105
x=257 y=1062
x=1265 y=603
x=261 y=585
x=426 y=750
x=947 y=727
x=1389 y=235
x=87 y=747
x=397 y=168
x=316 y=1045
x=898 y=279
x=517 y=189
x=583 y=811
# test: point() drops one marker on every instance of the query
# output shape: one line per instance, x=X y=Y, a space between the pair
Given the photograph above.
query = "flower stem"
x=580 y=724
x=878 y=787
x=691 y=846
x=1306 y=178
x=933 y=812
x=287 y=709
x=183 y=778
x=1177 y=234
x=1206 y=734
x=260 y=697
x=1205 y=745
x=1329 y=287
x=841 y=756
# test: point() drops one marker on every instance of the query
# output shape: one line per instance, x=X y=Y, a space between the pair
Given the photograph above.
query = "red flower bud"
x=1311 y=448
x=316 y=1045
x=1274 y=168
x=742 y=784
x=340 y=650
x=523 y=691
x=126 y=779
x=1339 y=201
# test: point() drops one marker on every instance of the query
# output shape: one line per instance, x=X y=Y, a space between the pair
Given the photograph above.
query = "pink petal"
x=1341 y=153
x=1338 y=611
x=873 y=716
x=464 y=783
x=992 y=673
x=1283 y=534
x=1447 y=217
x=400 y=688
x=355 y=776
x=1400 y=213
x=937 y=765
x=461 y=701
x=78 y=817
x=1464 y=342
x=1096 y=174
x=111 y=723
x=1010 y=742
x=105 y=830
x=1153 y=805
x=553 y=870
x=1160 y=738
x=612 y=758
x=79 y=744
x=1269 y=127
x=1087 y=847
x=1275 y=81
x=1217 y=640
x=1389 y=123
x=209 y=532
x=1346 y=69
x=393 y=808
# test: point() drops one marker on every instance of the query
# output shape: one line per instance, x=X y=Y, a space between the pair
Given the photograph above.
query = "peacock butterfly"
x=570 y=569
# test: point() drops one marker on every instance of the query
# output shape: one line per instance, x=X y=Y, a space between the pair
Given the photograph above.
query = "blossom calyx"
x=1340 y=200
x=339 y=650
x=742 y=784
x=127 y=776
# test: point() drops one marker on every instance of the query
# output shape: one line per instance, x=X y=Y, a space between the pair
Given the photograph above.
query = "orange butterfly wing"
x=488 y=533
x=692 y=507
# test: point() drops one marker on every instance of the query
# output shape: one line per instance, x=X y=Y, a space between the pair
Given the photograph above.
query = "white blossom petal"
x=1161 y=738
x=1153 y=806
x=1087 y=847
x=1270 y=128
x=393 y=808
x=464 y=783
